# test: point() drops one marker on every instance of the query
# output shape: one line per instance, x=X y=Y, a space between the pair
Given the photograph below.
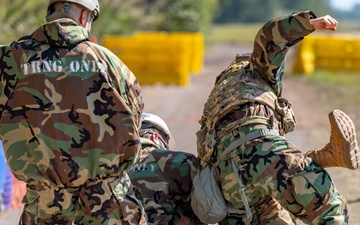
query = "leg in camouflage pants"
x=109 y=201
x=272 y=167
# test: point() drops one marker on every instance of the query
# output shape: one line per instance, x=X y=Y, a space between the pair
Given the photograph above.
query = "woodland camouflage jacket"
x=69 y=108
x=164 y=179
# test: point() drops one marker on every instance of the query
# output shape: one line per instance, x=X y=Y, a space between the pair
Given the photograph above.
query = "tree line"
x=128 y=16
x=254 y=11
x=116 y=17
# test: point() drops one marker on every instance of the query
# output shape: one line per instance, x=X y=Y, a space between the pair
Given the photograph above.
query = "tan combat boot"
x=343 y=149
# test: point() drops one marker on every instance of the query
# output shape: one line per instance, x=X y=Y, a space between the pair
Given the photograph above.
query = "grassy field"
x=245 y=32
x=233 y=33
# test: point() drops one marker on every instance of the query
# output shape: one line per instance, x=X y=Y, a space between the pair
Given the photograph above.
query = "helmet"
x=92 y=5
x=160 y=124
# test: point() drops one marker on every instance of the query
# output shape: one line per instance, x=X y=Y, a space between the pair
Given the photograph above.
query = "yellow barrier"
x=330 y=52
x=196 y=45
x=305 y=58
x=158 y=57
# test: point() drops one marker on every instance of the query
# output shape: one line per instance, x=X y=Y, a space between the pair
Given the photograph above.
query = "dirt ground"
x=181 y=108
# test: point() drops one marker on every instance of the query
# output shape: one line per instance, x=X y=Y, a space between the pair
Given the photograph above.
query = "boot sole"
x=344 y=125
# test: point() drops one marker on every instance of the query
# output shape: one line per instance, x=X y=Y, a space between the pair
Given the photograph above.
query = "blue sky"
x=344 y=4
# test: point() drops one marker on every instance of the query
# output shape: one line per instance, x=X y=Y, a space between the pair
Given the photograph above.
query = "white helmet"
x=91 y=5
x=160 y=124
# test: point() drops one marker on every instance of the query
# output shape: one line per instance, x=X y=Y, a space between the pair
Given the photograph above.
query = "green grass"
x=233 y=33
x=341 y=83
x=341 y=78
x=245 y=32
x=348 y=26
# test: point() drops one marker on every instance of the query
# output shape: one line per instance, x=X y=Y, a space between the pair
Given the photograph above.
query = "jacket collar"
x=61 y=33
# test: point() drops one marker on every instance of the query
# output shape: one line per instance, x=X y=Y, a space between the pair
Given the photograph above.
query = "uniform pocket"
x=120 y=187
x=131 y=208
x=30 y=212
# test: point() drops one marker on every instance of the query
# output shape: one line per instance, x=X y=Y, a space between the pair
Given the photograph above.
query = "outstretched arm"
x=275 y=38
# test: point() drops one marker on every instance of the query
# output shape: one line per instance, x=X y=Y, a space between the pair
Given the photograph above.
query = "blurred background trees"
x=233 y=11
x=19 y=17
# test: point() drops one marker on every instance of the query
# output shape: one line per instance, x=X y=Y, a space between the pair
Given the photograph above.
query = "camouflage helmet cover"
x=91 y=5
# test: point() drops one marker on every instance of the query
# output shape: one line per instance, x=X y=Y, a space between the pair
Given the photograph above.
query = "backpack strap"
x=242 y=189
x=244 y=139
x=233 y=146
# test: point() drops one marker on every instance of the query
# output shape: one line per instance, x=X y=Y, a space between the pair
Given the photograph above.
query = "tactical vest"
x=234 y=87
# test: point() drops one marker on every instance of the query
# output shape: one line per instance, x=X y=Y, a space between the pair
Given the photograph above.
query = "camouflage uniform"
x=164 y=179
x=275 y=173
x=64 y=101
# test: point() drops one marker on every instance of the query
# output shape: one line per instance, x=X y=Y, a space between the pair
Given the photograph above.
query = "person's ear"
x=83 y=18
x=155 y=137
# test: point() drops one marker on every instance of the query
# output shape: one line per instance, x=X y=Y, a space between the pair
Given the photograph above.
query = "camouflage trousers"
x=278 y=179
x=105 y=201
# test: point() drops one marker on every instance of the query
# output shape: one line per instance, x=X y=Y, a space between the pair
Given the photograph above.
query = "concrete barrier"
x=330 y=52
x=159 y=57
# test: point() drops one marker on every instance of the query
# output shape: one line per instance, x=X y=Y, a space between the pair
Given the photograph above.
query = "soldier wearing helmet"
x=161 y=135
x=163 y=177
x=70 y=118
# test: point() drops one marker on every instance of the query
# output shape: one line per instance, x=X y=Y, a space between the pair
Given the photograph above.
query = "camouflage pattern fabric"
x=104 y=201
x=70 y=111
x=271 y=167
x=164 y=179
